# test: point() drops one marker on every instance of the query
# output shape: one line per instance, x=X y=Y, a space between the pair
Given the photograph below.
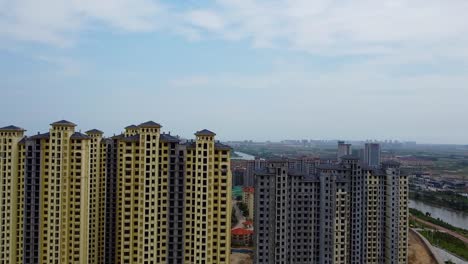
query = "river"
x=450 y=216
x=244 y=156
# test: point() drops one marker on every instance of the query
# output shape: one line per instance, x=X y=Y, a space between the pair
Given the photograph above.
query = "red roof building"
x=241 y=237
x=248 y=224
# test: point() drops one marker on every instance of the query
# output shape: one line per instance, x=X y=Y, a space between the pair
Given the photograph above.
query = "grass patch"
x=447 y=242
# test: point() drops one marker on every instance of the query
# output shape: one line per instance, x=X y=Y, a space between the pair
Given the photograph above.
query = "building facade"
x=207 y=201
x=343 y=149
x=11 y=167
x=248 y=199
x=341 y=213
x=372 y=154
x=251 y=167
x=139 y=197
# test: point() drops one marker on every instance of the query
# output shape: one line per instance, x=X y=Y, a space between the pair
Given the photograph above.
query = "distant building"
x=238 y=177
x=341 y=213
x=372 y=154
x=343 y=149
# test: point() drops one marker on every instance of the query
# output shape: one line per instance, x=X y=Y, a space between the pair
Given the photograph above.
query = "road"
x=239 y=216
x=442 y=229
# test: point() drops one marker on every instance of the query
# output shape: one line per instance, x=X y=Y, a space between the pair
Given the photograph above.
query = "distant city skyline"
x=188 y=133
x=265 y=70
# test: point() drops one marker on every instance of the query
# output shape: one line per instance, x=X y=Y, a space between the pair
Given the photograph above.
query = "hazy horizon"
x=245 y=69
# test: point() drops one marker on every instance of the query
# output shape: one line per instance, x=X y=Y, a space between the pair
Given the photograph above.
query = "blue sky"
x=246 y=69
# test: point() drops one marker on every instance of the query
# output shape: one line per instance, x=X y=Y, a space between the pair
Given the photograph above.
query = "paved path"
x=440 y=228
x=240 y=217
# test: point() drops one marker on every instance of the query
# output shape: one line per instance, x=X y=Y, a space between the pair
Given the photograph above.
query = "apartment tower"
x=343 y=149
x=11 y=186
x=337 y=213
x=372 y=154
x=207 y=200
x=173 y=197
x=139 y=197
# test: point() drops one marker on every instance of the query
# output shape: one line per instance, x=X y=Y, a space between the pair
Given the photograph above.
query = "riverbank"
x=446 y=199
x=450 y=216
x=438 y=224
x=441 y=234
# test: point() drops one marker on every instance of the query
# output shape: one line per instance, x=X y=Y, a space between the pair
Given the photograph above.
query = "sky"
x=245 y=69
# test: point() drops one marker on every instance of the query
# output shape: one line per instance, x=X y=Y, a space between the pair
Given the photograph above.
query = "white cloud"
x=57 y=22
x=319 y=27
x=205 y=19
x=345 y=27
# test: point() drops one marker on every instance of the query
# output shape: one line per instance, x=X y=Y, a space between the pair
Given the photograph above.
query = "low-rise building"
x=241 y=237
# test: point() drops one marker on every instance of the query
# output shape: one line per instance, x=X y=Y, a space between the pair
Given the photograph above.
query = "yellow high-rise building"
x=207 y=201
x=64 y=210
x=97 y=192
x=10 y=195
x=153 y=225
x=141 y=197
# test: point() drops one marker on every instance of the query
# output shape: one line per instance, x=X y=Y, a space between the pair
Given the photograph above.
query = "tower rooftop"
x=94 y=131
x=63 y=123
x=205 y=132
x=11 y=128
x=150 y=124
x=79 y=136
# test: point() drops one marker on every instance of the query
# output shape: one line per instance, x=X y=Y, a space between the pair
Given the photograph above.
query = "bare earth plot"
x=239 y=258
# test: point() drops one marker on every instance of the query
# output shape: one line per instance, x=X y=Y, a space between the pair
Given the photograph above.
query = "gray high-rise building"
x=251 y=167
x=335 y=213
x=343 y=149
x=372 y=154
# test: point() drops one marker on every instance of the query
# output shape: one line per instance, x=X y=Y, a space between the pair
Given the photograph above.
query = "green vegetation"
x=437 y=221
x=415 y=224
x=447 y=242
x=446 y=199
x=244 y=209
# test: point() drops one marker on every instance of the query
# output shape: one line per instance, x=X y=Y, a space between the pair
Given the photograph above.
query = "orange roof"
x=248 y=222
x=241 y=231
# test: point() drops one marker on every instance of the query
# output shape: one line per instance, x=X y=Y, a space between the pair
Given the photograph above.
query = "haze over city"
x=260 y=70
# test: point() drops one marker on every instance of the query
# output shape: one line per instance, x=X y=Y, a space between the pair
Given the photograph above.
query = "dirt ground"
x=239 y=258
x=417 y=253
